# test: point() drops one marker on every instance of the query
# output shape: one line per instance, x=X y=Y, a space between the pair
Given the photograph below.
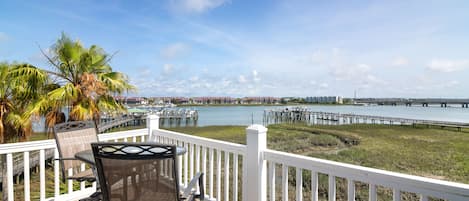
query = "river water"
x=246 y=115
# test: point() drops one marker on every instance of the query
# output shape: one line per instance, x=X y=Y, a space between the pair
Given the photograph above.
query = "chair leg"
x=201 y=186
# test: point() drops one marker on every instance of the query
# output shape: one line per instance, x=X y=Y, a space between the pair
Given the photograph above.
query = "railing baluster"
x=11 y=193
x=350 y=190
x=186 y=163
x=314 y=186
x=179 y=143
x=56 y=173
x=165 y=163
x=372 y=192
x=197 y=158
x=197 y=161
x=69 y=181
x=191 y=162
x=235 y=177
x=82 y=184
x=244 y=181
x=210 y=158
x=42 y=174
x=218 y=174
x=26 y=171
x=299 y=184
x=332 y=188
x=284 y=182
x=272 y=180
x=134 y=139
x=162 y=166
x=171 y=169
x=227 y=175
x=204 y=167
x=396 y=194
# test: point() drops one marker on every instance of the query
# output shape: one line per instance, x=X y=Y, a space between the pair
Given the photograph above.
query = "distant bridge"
x=425 y=102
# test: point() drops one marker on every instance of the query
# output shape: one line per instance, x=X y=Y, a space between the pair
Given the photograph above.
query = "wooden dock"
x=110 y=123
x=179 y=117
x=328 y=118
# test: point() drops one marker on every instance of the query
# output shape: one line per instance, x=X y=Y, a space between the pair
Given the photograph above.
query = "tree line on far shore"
x=81 y=80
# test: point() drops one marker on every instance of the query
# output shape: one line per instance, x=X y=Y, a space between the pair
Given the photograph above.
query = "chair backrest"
x=137 y=171
x=73 y=137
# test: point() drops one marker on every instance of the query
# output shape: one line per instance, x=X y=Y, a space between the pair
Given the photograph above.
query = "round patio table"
x=88 y=157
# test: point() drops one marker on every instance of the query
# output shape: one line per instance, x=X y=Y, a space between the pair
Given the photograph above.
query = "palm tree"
x=84 y=82
x=20 y=86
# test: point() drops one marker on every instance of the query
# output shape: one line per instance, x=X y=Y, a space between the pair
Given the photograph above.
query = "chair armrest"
x=188 y=193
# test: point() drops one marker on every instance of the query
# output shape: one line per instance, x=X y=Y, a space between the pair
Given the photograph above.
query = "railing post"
x=255 y=188
x=153 y=123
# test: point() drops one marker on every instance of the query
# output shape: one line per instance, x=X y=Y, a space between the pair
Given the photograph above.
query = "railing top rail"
x=26 y=146
x=218 y=144
x=122 y=134
x=50 y=144
x=438 y=188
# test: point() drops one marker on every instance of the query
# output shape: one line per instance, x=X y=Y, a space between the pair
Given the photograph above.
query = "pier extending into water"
x=107 y=124
x=327 y=118
x=424 y=102
x=180 y=117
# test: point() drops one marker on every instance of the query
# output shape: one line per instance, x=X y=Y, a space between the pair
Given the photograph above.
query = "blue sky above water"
x=259 y=48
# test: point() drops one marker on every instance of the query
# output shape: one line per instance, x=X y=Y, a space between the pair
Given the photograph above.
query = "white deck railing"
x=237 y=172
x=20 y=153
x=203 y=152
x=425 y=188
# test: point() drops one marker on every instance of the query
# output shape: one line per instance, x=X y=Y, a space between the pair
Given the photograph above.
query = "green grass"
x=428 y=152
x=434 y=153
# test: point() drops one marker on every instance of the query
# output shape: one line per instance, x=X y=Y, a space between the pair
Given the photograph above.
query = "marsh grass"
x=429 y=152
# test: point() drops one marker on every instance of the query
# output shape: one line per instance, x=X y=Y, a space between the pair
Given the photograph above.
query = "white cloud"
x=400 y=61
x=351 y=72
x=175 y=50
x=242 y=79
x=195 y=6
x=168 y=68
x=255 y=76
x=324 y=86
x=447 y=66
x=317 y=56
x=450 y=84
x=4 y=37
x=194 y=78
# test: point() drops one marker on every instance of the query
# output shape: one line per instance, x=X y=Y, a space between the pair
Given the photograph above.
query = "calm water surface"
x=246 y=115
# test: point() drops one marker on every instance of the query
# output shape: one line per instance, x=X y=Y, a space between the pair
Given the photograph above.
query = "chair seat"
x=86 y=175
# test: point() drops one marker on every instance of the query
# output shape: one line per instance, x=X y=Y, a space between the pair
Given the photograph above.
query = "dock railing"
x=235 y=172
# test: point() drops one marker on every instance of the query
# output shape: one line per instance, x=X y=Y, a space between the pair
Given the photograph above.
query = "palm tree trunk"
x=2 y=130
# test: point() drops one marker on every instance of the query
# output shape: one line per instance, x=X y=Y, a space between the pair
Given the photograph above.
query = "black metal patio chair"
x=141 y=172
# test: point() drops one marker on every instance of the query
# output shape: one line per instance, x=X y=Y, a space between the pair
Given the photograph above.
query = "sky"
x=244 y=48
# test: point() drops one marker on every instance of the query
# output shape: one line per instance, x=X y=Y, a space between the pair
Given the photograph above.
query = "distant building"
x=131 y=100
x=259 y=100
x=325 y=99
x=213 y=100
x=168 y=100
